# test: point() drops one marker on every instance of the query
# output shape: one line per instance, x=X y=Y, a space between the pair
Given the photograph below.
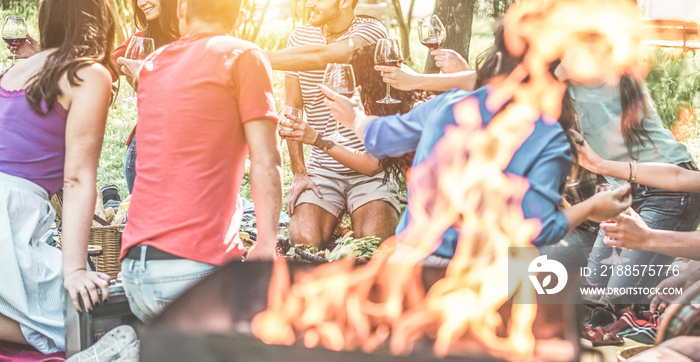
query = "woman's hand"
x=627 y=231
x=130 y=68
x=345 y=110
x=402 y=78
x=28 y=48
x=609 y=204
x=587 y=158
x=297 y=130
x=449 y=61
x=82 y=284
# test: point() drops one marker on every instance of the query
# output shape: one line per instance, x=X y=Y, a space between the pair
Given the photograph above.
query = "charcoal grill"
x=211 y=322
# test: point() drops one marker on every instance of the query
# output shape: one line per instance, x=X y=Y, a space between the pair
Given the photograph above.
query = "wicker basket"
x=110 y=239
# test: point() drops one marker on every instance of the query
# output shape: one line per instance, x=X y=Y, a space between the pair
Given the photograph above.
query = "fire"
x=462 y=184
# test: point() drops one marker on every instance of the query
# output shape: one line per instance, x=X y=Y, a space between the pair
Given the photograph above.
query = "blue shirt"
x=544 y=158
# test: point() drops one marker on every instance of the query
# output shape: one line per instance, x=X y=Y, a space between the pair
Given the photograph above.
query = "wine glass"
x=138 y=48
x=341 y=79
x=287 y=111
x=431 y=32
x=14 y=32
x=615 y=258
x=388 y=53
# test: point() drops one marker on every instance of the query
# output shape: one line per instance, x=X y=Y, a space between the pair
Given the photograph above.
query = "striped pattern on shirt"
x=318 y=115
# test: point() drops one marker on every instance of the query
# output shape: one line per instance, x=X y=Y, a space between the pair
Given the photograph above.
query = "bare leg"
x=375 y=218
x=10 y=331
x=310 y=224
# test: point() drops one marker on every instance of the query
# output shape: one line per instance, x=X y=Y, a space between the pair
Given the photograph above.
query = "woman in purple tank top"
x=53 y=110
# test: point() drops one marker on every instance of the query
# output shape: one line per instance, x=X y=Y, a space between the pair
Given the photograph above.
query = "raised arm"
x=662 y=175
x=406 y=79
x=266 y=183
x=88 y=104
x=359 y=161
x=313 y=57
x=630 y=231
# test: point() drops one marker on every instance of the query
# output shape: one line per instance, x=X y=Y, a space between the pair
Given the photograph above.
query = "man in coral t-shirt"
x=204 y=101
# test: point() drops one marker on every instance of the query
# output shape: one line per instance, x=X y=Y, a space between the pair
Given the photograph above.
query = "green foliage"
x=674 y=82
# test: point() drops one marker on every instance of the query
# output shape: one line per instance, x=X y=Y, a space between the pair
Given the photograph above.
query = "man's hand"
x=28 y=48
x=300 y=183
x=628 y=230
x=297 y=130
x=609 y=204
x=131 y=68
x=449 y=61
x=402 y=78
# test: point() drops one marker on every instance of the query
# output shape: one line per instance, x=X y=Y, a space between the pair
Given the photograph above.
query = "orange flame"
x=462 y=184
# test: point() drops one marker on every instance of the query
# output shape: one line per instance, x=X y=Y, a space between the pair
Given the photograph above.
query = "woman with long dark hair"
x=618 y=120
x=53 y=110
x=157 y=19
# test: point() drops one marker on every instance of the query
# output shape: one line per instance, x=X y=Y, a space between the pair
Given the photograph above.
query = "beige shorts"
x=348 y=192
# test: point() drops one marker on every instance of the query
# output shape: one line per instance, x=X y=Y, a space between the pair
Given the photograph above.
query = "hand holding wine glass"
x=615 y=258
x=138 y=49
x=388 y=53
x=341 y=79
x=14 y=32
x=431 y=32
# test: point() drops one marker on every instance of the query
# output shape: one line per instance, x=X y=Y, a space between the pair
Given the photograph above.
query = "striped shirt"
x=318 y=115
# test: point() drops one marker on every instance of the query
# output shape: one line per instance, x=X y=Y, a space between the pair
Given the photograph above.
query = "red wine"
x=391 y=63
x=15 y=42
x=432 y=43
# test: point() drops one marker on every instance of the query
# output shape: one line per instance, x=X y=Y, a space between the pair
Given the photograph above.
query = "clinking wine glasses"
x=388 y=53
x=138 y=48
x=431 y=32
x=14 y=32
x=341 y=79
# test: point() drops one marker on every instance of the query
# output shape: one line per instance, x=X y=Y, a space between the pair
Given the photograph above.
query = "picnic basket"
x=107 y=237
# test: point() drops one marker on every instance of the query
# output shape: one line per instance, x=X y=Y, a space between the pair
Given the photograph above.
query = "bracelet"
x=633 y=172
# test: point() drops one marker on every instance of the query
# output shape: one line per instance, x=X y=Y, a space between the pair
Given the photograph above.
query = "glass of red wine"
x=341 y=79
x=14 y=32
x=138 y=48
x=388 y=53
x=431 y=32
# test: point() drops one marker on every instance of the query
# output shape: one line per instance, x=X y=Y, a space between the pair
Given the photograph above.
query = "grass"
x=673 y=83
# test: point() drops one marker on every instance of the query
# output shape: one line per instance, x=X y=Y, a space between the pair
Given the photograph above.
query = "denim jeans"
x=130 y=164
x=151 y=285
x=573 y=250
x=660 y=209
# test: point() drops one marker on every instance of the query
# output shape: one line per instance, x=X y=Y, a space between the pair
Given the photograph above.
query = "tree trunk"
x=457 y=17
x=404 y=27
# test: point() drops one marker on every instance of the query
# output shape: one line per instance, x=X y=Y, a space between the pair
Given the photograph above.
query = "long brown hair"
x=634 y=110
x=164 y=29
x=82 y=32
